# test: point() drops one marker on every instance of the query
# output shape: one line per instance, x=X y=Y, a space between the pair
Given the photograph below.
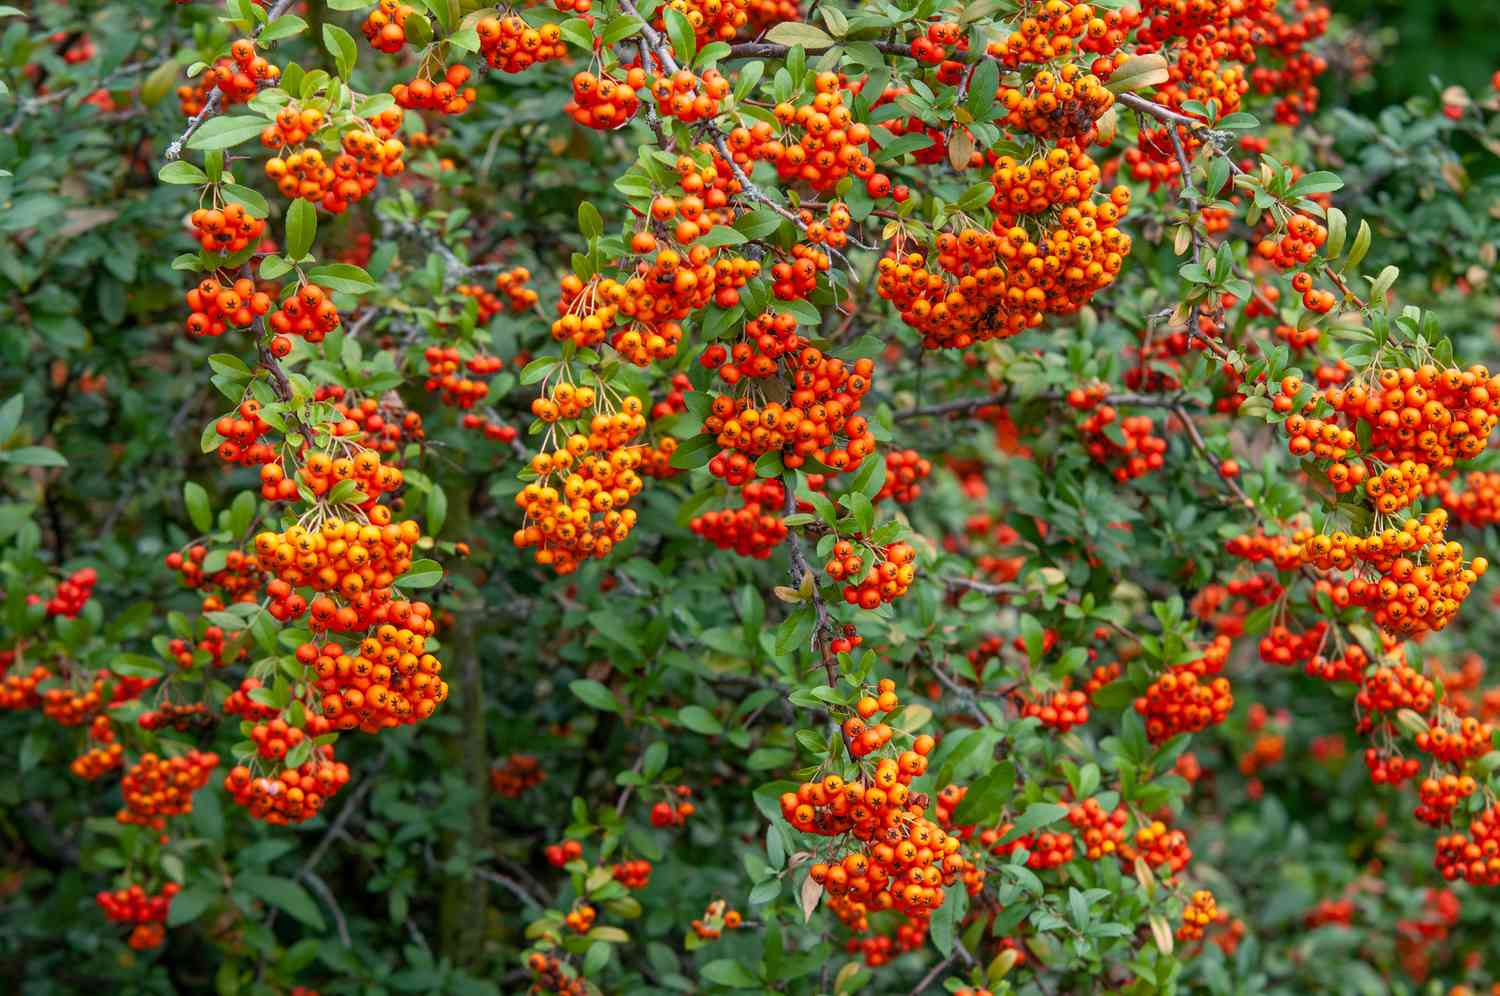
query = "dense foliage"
x=723 y=495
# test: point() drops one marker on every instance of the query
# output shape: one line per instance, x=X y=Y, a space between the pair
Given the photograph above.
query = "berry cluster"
x=357 y=561
x=155 y=788
x=1183 y=700
x=385 y=26
x=688 y=97
x=148 y=913
x=226 y=230
x=823 y=406
x=72 y=593
x=448 y=96
x=216 y=308
x=602 y=102
x=237 y=78
x=291 y=795
x=589 y=514
x=903 y=470
x=820 y=143
x=308 y=312
x=389 y=682
x=519 y=773
x=754 y=529
x=1200 y=912
x=510 y=45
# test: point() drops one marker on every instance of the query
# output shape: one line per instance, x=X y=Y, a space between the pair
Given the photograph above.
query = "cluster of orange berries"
x=1297 y=245
x=890 y=574
x=155 y=788
x=1159 y=846
x=97 y=762
x=443 y=374
x=510 y=45
x=147 y=912
x=589 y=514
x=1064 y=175
x=227 y=230
x=19 y=691
x=552 y=976
x=667 y=813
x=237 y=79
x=1065 y=104
x=215 y=308
x=828 y=144
x=385 y=26
x=310 y=313
x=632 y=874
x=274 y=740
x=380 y=425
x=241 y=431
x=1103 y=832
x=986 y=286
x=558 y=855
x=390 y=682
x=603 y=102
x=933 y=46
x=1441 y=796
x=798 y=277
x=1140 y=453
x=1060 y=711
x=715 y=920
x=180 y=716
x=321 y=472
x=448 y=96
x=688 y=97
x=292 y=795
x=358 y=561
x=823 y=405
x=581 y=918
x=241 y=702
x=1282 y=647
x=1048 y=30
x=1476 y=857
x=512 y=283
x=765 y=340
x=754 y=529
x=864 y=740
x=367 y=154
x=72 y=593
x=1457 y=745
x=519 y=773
x=1183 y=700
x=712 y=20
x=906 y=859
x=904 y=469
x=1478 y=504
x=1200 y=912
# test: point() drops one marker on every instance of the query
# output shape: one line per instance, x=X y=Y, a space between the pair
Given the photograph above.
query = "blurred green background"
x=1455 y=40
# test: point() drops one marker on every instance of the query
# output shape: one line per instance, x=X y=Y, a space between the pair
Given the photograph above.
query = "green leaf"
x=285 y=26
x=301 y=228
x=224 y=132
x=422 y=574
x=198 y=511
x=343 y=277
x=182 y=172
x=726 y=972
x=10 y=415
x=247 y=197
x=191 y=903
x=437 y=510
x=589 y=221
x=34 y=456
x=136 y=666
x=680 y=31
x=593 y=694
x=283 y=894
x=699 y=720
x=800 y=33
x=340 y=45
